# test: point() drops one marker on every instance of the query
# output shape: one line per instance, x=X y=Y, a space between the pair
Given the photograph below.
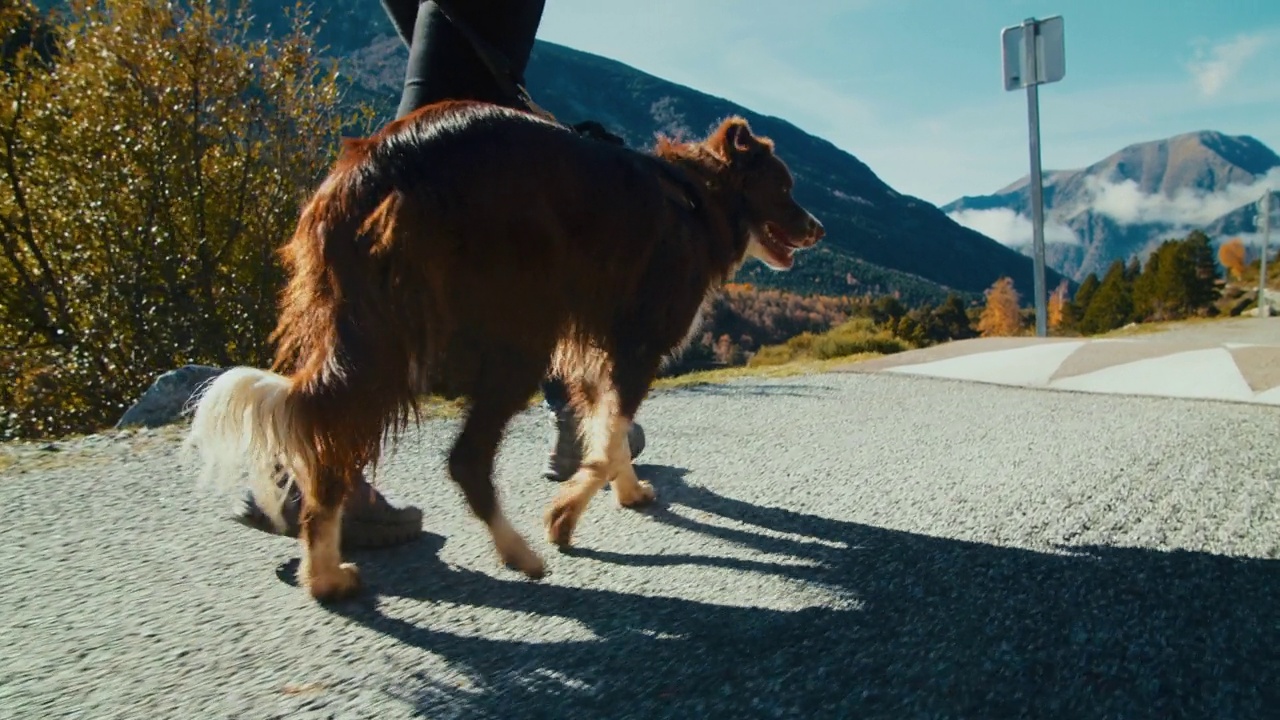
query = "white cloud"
x=1127 y=205
x=1212 y=70
x=1012 y=229
x=1123 y=202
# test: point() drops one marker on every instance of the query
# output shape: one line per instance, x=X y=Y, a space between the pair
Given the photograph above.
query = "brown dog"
x=476 y=247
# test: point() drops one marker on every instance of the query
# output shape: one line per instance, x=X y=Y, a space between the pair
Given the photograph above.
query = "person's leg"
x=443 y=64
x=566 y=450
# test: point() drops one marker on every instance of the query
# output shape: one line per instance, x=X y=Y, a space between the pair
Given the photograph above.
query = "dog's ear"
x=734 y=139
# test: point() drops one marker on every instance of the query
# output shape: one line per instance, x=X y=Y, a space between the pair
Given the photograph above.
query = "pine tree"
x=1133 y=269
x=1147 y=304
x=1112 y=306
x=1203 y=289
x=1084 y=296
x=887 y=309
x=954 y=318
x=1186 y=277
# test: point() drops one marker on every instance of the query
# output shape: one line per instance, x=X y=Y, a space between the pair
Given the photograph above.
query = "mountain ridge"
x=1124 y=204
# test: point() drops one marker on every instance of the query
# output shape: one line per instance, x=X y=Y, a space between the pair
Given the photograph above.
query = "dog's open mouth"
x=780 y=246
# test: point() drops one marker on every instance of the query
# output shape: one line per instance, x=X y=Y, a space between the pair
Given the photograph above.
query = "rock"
x=163 y=402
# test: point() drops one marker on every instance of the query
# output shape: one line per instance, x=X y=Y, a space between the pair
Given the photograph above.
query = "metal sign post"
x=1264 y=220
x=1034 y=54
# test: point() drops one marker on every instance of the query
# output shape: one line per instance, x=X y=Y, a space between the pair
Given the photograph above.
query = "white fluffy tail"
x=243 y=422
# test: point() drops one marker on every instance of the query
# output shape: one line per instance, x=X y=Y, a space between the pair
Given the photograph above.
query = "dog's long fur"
x=478 y=247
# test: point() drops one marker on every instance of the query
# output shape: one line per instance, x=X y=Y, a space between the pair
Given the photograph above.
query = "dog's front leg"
x=629 y=490
x=599 y=428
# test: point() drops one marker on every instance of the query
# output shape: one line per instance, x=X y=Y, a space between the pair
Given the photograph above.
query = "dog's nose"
x=816 y=231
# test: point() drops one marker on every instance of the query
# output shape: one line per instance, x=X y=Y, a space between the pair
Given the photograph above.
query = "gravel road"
x=837 y=545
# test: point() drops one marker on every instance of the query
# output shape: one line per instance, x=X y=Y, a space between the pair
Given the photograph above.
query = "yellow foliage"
x=1002 y=315
x=1057 y=306
x=1233 y=257
x=152 y=157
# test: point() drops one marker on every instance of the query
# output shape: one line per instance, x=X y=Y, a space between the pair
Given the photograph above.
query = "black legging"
x=442 y=63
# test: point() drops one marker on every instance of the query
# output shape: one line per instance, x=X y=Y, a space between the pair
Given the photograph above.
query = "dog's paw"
x=527 y=562
x=635 y=494
x=514 y=551
x=561 y=519
x=341 y=584
x=517 y=555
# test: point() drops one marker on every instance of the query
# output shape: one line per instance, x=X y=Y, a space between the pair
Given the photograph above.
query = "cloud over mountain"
x=1127 y=203
x=1011 y=228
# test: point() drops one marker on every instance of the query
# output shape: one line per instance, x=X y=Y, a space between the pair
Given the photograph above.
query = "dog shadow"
x=928 y=627
x=752 y=389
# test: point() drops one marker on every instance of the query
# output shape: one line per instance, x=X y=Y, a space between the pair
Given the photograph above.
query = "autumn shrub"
x=152 y=158
x=1233 y=256
x=768 y=316
x=853 y=337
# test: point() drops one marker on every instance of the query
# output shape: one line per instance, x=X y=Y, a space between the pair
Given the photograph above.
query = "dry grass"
x=1158 y=327
x=788 y=369
x=435 y=407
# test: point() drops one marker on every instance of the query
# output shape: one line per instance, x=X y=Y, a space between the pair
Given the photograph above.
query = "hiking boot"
x=369 y=521
x=566 y=455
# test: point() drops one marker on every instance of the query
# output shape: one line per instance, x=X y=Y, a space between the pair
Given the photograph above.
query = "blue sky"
x=913 y=87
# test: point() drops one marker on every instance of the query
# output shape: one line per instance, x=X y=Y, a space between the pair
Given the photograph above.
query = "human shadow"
x=934 y=627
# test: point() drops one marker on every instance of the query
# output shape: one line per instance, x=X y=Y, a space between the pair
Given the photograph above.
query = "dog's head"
x=778 y=225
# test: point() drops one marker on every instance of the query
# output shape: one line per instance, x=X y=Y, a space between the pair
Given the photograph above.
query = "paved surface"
x=1236 y=360
x=845 y=545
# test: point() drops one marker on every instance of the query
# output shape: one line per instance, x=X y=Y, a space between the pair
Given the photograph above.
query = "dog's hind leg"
x=322 y=571
x=502 y=387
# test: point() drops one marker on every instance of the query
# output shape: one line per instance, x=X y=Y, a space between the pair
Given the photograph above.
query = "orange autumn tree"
x=1057 y=306
x=1002 y=315
x=1232 y=256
